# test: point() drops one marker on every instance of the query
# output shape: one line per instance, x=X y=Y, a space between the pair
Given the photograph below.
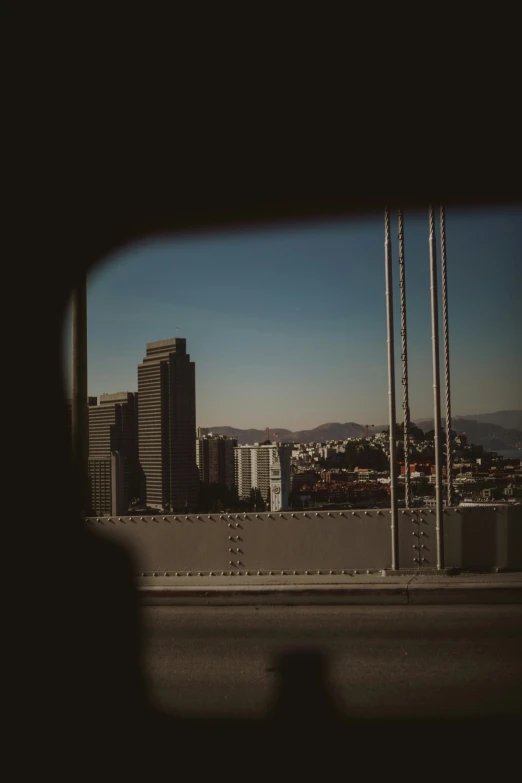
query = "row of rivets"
x=246 y=573
x=304 y=515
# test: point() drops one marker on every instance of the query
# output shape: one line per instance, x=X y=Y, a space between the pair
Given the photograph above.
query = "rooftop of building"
x=116 y=397
x=172 y=342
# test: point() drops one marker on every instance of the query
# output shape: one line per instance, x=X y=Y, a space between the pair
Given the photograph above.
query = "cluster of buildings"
x=144 y=450
x=317 y=480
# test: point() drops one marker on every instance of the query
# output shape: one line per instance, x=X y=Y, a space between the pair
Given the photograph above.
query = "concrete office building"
x=108 y=478
x=215 y=458
x=167 y=426
x=267 y=468
x=113 y=452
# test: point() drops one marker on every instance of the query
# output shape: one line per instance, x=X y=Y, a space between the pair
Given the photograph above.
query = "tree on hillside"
x=350 y=455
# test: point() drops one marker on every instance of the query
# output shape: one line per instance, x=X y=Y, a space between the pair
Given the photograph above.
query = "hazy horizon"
x=288 y=325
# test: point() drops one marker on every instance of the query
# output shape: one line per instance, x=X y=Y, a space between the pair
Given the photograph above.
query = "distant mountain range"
x=483 y=429
x=511 y=420
x=331 y=431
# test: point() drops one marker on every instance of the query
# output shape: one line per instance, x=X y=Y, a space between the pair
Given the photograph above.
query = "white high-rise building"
x=266 y=468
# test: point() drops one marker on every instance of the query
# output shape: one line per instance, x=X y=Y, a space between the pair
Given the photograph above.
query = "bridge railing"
x=317 y=542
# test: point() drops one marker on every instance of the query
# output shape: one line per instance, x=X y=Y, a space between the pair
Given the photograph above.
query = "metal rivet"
x=368 y=572
x=164 y=519
x=222 y=573
x=231 y=562
x=154 y=574
x=271 y=573
x=230 y=524
x=257 y=516
x=200 y=573
x=177 y=573
x=209 y=517
x=153 y=519
x=330 y=572
x=189 y=573
x=247 y=573
x=366 y=513
x=295 y=572
x=143 y=573
x=316 y=514
x=354 y=514
x=211 y=573
x=343 y=572
x=259 y=573
x=282 y=573
x=355 y=572
x=231 y=538
x=186 y=519
x=199 y=518
x=165 y=574
x=98 y=519
x=307 y=572
x=330 y=514
x=109 y=520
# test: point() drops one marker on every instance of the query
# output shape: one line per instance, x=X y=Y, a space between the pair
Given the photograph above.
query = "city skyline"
x=287 y=326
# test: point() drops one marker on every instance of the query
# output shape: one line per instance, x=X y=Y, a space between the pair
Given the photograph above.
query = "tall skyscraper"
x=215 y=458
x=167 y=426
x=266 y=468
x=113 y=452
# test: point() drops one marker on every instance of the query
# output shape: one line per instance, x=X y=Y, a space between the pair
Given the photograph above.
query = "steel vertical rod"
x=391 y=388
x=80 y=420
x=436 y=387
x=447 y=381
x=404 y=357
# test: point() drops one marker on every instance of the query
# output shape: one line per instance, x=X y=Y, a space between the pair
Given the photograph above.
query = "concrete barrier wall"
x=474 y=538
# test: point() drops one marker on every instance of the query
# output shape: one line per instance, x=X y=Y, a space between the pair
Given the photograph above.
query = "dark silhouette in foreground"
x=82 y=709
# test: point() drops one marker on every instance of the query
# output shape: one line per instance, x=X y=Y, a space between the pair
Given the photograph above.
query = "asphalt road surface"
x=382 y=661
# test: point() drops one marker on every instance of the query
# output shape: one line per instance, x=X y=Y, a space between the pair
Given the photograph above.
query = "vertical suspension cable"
x=436 y=388
x=391 y=390
x=449 y=444
x=404 y=357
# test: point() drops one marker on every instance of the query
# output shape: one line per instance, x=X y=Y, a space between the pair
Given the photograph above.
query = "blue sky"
x=288 y=326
